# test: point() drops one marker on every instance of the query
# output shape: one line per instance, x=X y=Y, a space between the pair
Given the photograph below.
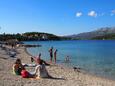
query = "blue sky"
x=60 y=17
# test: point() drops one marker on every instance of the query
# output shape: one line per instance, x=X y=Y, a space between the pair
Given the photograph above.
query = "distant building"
x=44 y=36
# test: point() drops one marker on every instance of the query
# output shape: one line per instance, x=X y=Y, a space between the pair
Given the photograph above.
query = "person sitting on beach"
x=26 y=74
x=40 y=70
x=18 y=67
x=38 y=59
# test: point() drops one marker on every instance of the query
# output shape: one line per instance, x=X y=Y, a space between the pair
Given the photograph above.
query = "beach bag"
x=24 y=74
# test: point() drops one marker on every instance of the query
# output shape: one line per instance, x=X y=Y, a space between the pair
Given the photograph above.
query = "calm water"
x=94 y=56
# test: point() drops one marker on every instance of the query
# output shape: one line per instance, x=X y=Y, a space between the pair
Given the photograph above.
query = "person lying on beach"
x=40 y=72
x=18 y=67
x=26 y=74
x=38 y=59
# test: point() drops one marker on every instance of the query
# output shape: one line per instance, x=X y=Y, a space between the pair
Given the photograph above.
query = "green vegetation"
x=29 y=36
x=106 y=37
x=35 y=36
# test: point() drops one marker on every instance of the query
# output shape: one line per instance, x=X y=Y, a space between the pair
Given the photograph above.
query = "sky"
x=59 y=17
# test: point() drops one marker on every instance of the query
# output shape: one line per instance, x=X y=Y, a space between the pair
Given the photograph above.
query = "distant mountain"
x=94 y=34
x=102 y=33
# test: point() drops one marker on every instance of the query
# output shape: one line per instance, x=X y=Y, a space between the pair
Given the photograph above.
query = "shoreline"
x=82 y=71
x=63 y=76
x=25 y=48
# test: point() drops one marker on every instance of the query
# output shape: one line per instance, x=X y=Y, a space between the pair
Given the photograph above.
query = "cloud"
x=78 y=14
x=112 y=13
x=92 y=14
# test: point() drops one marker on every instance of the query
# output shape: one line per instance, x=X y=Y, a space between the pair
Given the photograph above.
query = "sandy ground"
x=62 y=76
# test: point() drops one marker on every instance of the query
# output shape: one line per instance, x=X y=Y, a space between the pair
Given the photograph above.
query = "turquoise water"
x=93 y=56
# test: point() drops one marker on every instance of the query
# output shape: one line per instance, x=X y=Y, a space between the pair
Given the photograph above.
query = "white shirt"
x=40 y=71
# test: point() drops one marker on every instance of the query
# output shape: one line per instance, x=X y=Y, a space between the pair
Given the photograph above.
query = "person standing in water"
x=55 y=55
x=67 y=59
x=51 y=54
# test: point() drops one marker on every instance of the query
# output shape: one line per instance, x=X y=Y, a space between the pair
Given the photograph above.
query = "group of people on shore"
x=54 y=55
x=40 y=69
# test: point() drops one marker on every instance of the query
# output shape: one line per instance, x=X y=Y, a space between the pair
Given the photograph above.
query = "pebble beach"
x=62 y=76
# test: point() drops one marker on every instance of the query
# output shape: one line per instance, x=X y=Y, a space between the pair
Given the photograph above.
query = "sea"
x=93 y=56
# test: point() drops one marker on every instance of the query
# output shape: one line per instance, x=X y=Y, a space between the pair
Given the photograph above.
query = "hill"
x=102 y=33
x=29 y=36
